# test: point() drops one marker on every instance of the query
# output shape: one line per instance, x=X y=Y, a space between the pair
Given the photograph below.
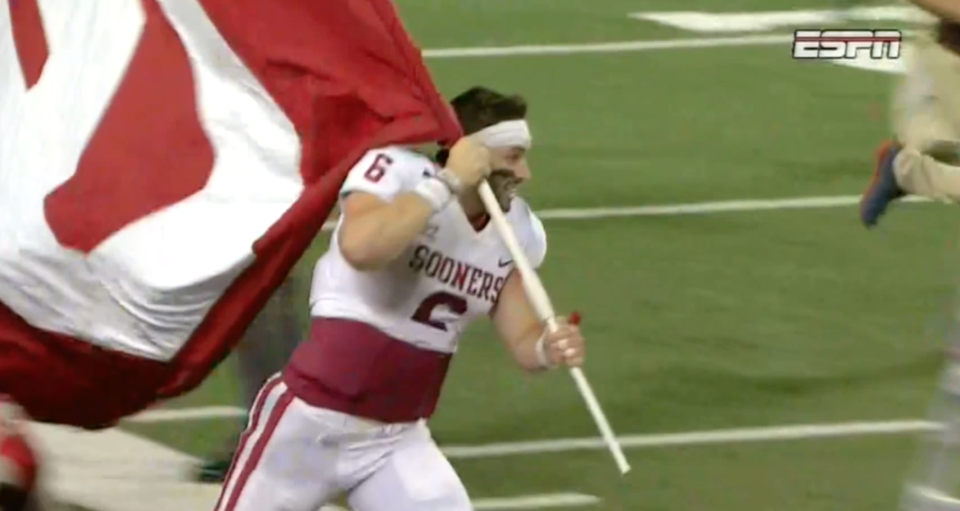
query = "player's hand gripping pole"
x=541 y=302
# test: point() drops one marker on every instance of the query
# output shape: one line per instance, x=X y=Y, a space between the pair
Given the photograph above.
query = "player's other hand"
x=469 y=161
x=566 y=345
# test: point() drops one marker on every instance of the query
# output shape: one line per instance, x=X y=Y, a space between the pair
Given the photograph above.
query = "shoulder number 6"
x=378 y=168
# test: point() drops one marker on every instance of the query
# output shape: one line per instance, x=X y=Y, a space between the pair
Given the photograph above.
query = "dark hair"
x=480 y=107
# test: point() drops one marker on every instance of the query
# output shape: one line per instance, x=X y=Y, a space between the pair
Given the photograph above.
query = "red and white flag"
x=164 y=163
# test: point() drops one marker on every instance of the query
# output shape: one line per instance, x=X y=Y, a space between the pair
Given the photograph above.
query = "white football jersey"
x=449 y=276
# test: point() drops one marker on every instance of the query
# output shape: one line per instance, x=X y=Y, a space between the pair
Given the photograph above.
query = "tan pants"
x=926 y=118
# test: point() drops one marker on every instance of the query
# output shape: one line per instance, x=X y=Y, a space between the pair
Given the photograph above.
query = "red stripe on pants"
x=254 y=459
x=245 y=437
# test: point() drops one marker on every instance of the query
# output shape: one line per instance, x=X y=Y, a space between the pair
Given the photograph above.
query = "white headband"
x=506 y=134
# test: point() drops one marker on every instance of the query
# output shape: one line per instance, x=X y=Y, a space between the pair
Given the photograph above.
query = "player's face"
x=510 y=170
x=513 y=159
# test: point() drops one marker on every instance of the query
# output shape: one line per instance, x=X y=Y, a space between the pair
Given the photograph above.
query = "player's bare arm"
x=533 y=348
x=949 y=9
x=375 y=232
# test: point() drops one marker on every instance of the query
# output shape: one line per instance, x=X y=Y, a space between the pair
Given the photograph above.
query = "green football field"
x=760 y=317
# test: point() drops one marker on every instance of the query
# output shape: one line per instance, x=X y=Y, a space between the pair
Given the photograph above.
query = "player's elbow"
x=366 y=249
x=359 y=253
x=526 y=359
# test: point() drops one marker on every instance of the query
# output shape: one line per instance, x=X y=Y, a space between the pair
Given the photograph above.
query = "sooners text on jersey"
x=450 y=276
x=381 y=341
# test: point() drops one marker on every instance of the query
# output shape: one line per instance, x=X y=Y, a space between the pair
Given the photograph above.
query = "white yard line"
x=186 y=414
x=760 y=434
x=550 y=500
x=771 y=20
x=699 y=208
x=725 y=436
x=614 y=47
x=610 y=47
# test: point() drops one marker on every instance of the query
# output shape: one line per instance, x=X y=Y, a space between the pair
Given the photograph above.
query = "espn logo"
x=846 y=44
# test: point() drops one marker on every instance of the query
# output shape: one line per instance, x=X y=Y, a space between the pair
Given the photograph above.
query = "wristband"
x=451 y=180
x=542 y=356
x=435 y=192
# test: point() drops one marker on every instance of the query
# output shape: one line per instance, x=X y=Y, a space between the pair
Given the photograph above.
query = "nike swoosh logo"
x=504 y=264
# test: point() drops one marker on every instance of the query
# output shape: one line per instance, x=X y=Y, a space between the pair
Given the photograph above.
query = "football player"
x=413 y=261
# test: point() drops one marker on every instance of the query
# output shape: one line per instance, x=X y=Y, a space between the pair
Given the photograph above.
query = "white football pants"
x=296 y=457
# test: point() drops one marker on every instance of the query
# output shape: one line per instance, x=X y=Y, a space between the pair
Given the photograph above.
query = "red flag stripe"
x=29 y=39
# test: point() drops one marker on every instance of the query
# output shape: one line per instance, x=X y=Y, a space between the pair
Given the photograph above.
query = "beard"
x=505 y=186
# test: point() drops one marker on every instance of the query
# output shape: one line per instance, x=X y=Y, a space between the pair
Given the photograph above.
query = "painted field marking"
x=641 y=45
x=187 y=414
x=718 y=22
x=737 y=435
x=883 y=66
x=705 y=208
x=609 y=47
x=723 y=436
x=700 y=208
x=549 y=500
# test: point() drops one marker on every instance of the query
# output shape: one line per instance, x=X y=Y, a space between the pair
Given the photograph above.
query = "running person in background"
x=924 y=158
x=413 y=261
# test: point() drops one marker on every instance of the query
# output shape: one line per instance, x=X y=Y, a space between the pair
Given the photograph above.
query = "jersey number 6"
x=424 y=313
x=378 y=168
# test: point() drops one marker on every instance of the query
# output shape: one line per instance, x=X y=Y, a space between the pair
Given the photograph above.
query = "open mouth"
x=505 y=186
